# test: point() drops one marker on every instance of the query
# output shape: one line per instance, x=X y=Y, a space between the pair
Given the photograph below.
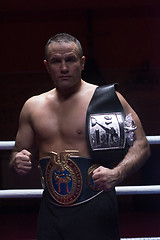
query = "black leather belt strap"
x=105 y=101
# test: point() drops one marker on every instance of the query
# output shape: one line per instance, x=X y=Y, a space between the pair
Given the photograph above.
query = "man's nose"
x=64 y=66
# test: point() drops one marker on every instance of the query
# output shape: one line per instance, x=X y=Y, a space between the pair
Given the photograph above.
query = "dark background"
x=121 y=42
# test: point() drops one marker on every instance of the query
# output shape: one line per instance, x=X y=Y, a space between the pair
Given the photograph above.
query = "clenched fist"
x=22 y=162
x=105 y=178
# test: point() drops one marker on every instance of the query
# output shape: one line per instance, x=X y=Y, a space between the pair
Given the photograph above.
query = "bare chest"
x=65 y=122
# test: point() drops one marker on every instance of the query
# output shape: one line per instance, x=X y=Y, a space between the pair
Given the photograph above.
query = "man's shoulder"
x=38 y=100
x=89 y=86
x=41 y=97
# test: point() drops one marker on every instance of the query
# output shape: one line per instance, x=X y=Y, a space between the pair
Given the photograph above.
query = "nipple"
x=79 y=131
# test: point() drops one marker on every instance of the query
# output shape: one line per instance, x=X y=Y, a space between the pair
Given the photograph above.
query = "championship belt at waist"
x=109 y=132
x=67 y=179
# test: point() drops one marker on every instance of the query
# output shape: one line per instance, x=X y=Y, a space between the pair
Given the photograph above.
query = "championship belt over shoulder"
x=109 y=131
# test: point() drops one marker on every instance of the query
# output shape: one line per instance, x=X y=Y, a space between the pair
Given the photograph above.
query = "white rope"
x=135 y=190
x=21 y=193
x=8 y=145
x=153 y=139
x=145 y=238
x=121 y=190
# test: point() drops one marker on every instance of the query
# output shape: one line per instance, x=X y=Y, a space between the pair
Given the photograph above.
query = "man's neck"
x=64 y=94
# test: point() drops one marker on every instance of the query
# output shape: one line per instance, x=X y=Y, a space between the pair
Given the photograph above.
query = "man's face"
x=64 y=64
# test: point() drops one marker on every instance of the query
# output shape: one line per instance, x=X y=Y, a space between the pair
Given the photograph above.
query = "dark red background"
x=121 y=41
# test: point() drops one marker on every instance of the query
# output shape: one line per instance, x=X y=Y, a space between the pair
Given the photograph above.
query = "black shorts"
x=95 y=219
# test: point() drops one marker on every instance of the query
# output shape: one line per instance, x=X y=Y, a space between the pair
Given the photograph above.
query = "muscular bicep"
x=138 y=153
x=139 y=133
x=25 y=136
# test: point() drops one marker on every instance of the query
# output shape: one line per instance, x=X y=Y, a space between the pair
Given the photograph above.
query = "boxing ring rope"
x=120 y=190
x=8 y=145
x=150 y=238
x=37 y=193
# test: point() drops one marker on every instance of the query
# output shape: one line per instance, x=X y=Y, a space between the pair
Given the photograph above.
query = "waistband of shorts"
x=68 y=182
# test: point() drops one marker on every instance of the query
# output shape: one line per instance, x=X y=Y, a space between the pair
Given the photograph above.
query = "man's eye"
x=55 y=60
x=71 y=59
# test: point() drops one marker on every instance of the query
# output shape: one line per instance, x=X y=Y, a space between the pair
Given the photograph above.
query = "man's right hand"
x=22 y=162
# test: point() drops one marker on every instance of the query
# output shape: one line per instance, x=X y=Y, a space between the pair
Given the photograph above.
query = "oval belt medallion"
x=63 y=180
x=90 y=179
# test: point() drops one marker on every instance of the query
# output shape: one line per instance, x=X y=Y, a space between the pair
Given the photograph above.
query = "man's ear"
x=83 y=62
x=46 y=66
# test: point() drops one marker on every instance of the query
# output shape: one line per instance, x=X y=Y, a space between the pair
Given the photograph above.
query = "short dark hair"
x=64 y=37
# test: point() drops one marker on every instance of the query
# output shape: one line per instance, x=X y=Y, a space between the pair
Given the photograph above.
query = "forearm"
x=17 y=148
x=12 y=157
x=133 y=161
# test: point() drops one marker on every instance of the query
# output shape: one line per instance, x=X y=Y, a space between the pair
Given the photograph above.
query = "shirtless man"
x=55 y=121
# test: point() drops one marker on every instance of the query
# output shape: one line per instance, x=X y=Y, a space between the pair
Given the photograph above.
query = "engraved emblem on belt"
x=106 y=131
x=63 y=178
x=90 y=179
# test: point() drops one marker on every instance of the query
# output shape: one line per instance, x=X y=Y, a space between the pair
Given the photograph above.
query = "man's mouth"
x=64 y=77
